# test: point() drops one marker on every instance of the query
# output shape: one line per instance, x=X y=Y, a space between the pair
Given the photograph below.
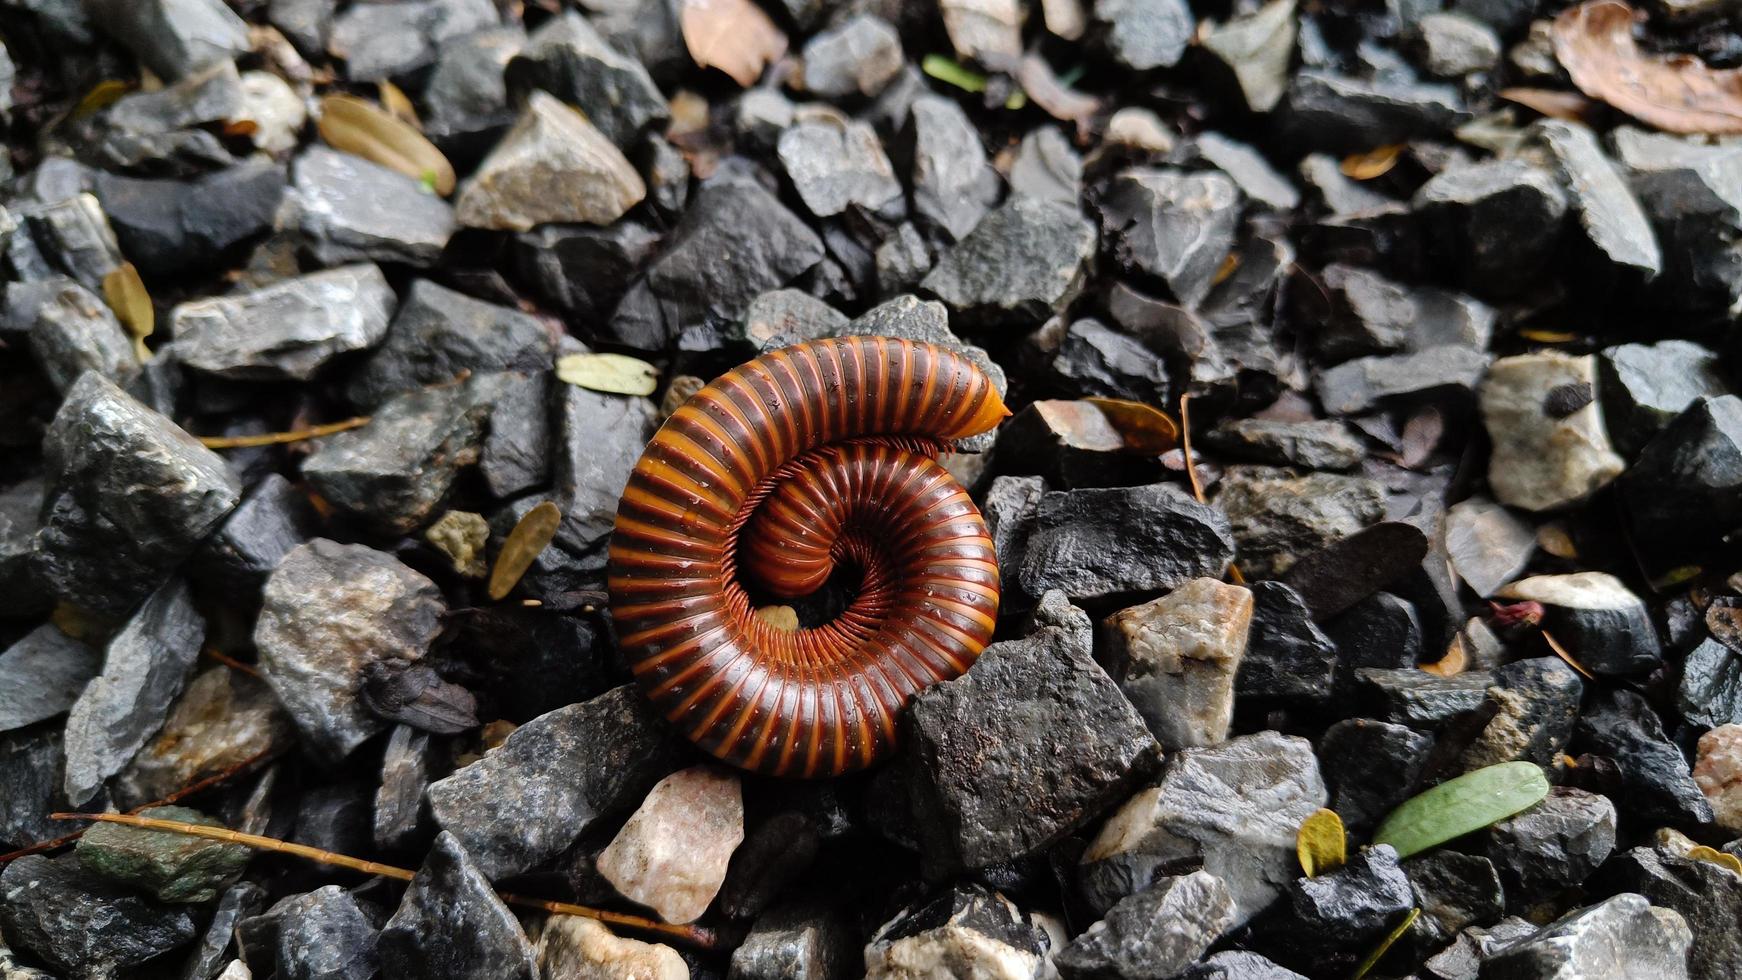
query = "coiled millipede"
x=817 y=454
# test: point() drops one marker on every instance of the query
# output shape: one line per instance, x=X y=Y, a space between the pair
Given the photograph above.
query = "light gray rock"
x=671 y=855
x=1610 y=217
x=1257 y=48
x=553 y=165
x=173 y=38
x=352 y=210
x=41 y=676
x=836 y=164
x=75 y=332
x=1550 y=446
x=1454 y=45
x=1047 y=167
x=1175 y=226
x=1153 y=934
x=953 y=185
x=967 y=931
x=1487 y=543
x=1620 y=938
x=1176 y=657
x=1258 y=180
x=577 y=948
x=1356 y=386
x=286 y=331
x=859 y=56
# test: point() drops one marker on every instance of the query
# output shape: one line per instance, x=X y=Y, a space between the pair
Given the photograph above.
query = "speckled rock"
x=574 y=948
x=672 y=854
x=552 y=166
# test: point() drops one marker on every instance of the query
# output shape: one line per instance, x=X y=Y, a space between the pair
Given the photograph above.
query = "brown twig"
x=281 y=438
x=694 y=935
x=190 y=789
x=1561 y=652
x=1185 y=443
x=231 y=662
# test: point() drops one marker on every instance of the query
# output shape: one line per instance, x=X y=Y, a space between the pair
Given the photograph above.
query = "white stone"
x=1545 y=457
x=552 y=166
x=1487 y=543
x=277 y=112
x=575 y=948
x=1581 y=590
x=672 y=854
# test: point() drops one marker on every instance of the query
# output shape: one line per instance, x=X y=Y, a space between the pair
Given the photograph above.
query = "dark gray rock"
x=735 y=242
x=1238 y=965
x=1095 y=361
x=326 y=934
x=1073 y=444
x=835 y=164
x=1654 y=776
x=272 y=518
x=1009 y=507
x=1531 y=710
x=1327 y=922
x=953 y=185
x=1711 y=687
x=1352 y=569
x=574 y=767
x=31 y=760
x=582 y=270
x=1047 y=167
x=1233 y=808
x=1444 y=372
x=516 y=453
x=1643 y=387
x=170 y=867
x=78 y=923
x=21 y=593
x=70 y=235
x=41 y=676
x=451 y=924
x=568 y=58
x=1381 y=630
x=901 y=261
x=166 y=129
x=1624 y=936
x=1022 y=263
x=1680 y=494
x=1107 y=543
x=785 y=317
x=1257 y=179
x=1287 y=656
x=405 y=775
x=129 y=496
x=378 y=41
x=395 y=471
x=211 y=953
x=438 y=334
x=305 y=23
x=1371 y=766
x=465 y=101
x=1278 y=517
x=349 y=209
x=173 y=38
x=795 y=943
x=1555 y=844
x=857 y=57
x=286 y=331
x=1706 y=895
x=1028 y=746
x=968 y=924
x=1371 y=314
x=329 y=611
x=75 y=332
x=1177 y=227
x=1339 y=114
x=1423 y=701
x=172 y=227
x=1593 y=614
x=1145 y=34
x=1454 y=891
x=1462 y=960
x=1498 y=221
x=1155 y=933
x=145 y=666
x=1693 y=197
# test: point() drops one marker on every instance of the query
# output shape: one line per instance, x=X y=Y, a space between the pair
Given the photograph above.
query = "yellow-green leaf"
x=1714 y=856
x=615 y=373
x=531 y=535
x=1459 y=806
x=1385 y=945
x=102 y=95
x=366 y=130
x=951 y=72
x=125 y=293
x=779 y=617
x=1321 y=843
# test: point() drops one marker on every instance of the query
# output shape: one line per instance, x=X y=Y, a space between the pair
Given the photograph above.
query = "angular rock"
x=672 y=853
x=31 y=760
x=273 y=518
x=41 y=676
x=1238 y=965
x=967 y=930
x=859 y=56
x=1350 y=571
x=568 y=58
x=1653 y=775
x=1257 y=49
x=1424 y=701
x=573 y=767
x=1371 y=767
x=582 y=270
x=1371 y=314
x=1454 y=891
x=1277 y=517
x=1500 y=221
x=1047 y=167
x=210 y=958
x=1099 y=362
x=793 y=943
x=983 y=29
x=1175 y=659
x=1177 y=227
x=438 y=334
x=1340 y=114
x=1591 y=613
x=1718 y=772
x=326 y=934
x=329 y=611
x=1610 y=217
x=129 y=496
x=1154 y=933
x=172 y=227
x=21 y=593
x=1553 y=845
x=1234 y=807
x=575 y=948
x=223 y=718
x=82 y=925
x=396 y=470
x=1287 y=656
x=380 y=41
x=1488 y=546
x=1022 y=263
x=1711 y=687
x=465 y=101
x=1145 y=34
x=837 y=164
x=1381 y=630
x=170 y=867
x=552 y=166
x=1073 y=444
x=144 y=668
x=1550 y=447
x=1256 y=178
x=1643 y=387
x=1532 y=707
x=1624 y=936
x=451 y=924
x=286 y=331
x=1324 y=922
x=352 y=210
x=173 y=38
x=1680 y=494
x=736 y=241
x=953 y=185
x=1706 y=895
x=1106 y=543
x=1357 y=386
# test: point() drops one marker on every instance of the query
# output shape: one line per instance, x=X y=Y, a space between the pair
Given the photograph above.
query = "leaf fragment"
x=1459 y=806
x=531 y=535
x=1712 y=855
x=734 y=36
x=1372 y=164
x=126 y=295
x=779 y=617
x=951 y=72
x=1320 y=843
x=398 y=104
x=615 y=373
x=355 y=126
x=1144 y=428
x=101 y=96
x=1549 y=102
x=1385 y=944
x=1678 y=93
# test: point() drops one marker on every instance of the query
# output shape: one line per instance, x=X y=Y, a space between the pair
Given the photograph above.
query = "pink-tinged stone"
x=1718 y=771
x=672 y=854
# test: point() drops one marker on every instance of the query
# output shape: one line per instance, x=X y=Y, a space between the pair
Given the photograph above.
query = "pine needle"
x=281 y=438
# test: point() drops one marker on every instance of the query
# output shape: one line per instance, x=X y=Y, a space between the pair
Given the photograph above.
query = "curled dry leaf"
x=615 y=373
x=355 y=126
x=1713 y=856
x=1549 y=102
x=1373 y=163
x=734 y=36
x=1144 y=428
x=531 y=535
x=1320 y=843
x=125 y=293
x=1679 y=93
x=398 y=104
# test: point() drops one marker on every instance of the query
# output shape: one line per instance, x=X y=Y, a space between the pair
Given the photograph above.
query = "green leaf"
x=1458 y=806
x=615 y=373
x=952 y=73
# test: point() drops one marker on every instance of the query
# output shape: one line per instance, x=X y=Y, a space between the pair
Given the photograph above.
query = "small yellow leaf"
x=1321 y=843
x=615 y=373
x=398 y=104
x=1229 y=266
x=1714 y=856
x=1374 y=163
x=779 y=617
x=531 y=535
x=1537 y=335
x=101 y=96
x=125 y=293
x=350 y=124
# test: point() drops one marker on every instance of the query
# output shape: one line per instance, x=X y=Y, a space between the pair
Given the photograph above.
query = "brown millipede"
x=816 y=454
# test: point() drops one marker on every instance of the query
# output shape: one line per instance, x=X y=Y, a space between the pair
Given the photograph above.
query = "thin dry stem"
x=281 y=438
x=1561 y=652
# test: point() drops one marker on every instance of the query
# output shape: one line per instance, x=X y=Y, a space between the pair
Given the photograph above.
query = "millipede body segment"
x=819 y=455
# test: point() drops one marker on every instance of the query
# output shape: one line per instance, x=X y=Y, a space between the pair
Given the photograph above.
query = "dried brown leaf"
x=125 y=293
x=365 y=129
x=1679 y=93
x=1549 y=102
x=531 y=535
x=1144 y=428
x=734 y=36
x=1373 y=163
x=398 y=104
